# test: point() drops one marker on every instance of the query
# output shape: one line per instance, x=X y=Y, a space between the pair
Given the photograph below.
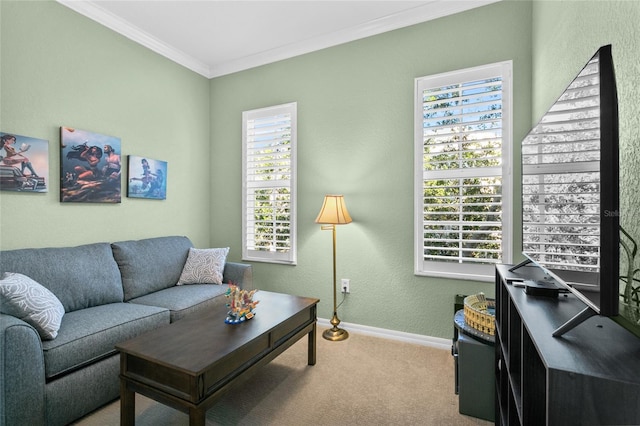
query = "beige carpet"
x=360 y=381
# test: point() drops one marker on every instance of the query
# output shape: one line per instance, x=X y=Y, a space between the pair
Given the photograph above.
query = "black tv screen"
x=570 y=196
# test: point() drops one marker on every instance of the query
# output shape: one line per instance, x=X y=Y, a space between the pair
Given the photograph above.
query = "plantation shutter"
x=462 y=138
x=269 y=140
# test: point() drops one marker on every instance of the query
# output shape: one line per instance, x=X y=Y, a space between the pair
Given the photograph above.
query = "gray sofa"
x=110 y=293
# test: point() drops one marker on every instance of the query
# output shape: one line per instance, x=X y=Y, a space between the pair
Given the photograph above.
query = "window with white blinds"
x=463 y=183
x=269 y=177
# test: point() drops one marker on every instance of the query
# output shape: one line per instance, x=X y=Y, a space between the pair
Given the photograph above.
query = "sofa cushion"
x=89 y=335
x=186 y=300
x=24 y=298
x=204 y=266
x=151 y=264
x=80 y=277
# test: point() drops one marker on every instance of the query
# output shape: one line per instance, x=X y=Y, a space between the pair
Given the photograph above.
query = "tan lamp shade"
x=334 y=211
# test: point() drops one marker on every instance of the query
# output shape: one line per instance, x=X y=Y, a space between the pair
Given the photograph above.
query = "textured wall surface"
x=62 y=69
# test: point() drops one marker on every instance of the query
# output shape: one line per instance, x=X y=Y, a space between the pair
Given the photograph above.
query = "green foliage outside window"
x=272 y=219
x=272 y=212
x=462 y=215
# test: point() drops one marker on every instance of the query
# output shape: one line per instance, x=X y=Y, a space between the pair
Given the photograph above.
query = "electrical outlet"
x=344 y=285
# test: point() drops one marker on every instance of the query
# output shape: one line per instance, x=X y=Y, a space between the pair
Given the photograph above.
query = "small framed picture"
x=147 y=178
x=24 y=163
x=89 y=167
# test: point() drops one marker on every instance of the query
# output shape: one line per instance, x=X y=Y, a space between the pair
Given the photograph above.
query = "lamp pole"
x=334 y=333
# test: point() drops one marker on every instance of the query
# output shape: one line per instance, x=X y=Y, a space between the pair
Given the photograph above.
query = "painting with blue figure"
x=147 y=178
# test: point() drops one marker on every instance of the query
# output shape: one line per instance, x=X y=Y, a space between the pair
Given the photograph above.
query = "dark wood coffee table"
x=190 y=364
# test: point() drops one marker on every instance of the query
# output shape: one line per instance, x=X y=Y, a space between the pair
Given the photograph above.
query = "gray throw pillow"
x=204 y=266
x=24 y=298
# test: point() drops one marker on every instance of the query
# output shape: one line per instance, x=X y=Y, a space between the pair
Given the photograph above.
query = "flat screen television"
x=570 y=190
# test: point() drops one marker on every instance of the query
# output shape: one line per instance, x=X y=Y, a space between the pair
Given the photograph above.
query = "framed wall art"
x=24 y=163
x=89 y=167
x=147 y=178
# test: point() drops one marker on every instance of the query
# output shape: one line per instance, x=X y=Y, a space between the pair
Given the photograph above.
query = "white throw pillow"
x=204 y=266
x=24 y=298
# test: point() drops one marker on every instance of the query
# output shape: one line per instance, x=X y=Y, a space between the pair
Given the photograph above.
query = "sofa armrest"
x=240 y=274
x=21 y=374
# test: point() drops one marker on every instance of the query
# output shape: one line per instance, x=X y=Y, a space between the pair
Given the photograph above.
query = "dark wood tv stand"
x=590 y=375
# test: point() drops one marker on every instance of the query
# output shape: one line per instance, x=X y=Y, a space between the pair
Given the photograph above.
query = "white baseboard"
x=434 y=342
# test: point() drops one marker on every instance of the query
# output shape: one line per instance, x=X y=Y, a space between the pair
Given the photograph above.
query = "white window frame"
x=463 y=270
x=268 y=254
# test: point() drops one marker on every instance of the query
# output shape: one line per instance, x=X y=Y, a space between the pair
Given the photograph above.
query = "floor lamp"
x=334 y=212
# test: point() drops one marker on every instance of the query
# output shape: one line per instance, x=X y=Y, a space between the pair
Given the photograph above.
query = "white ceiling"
x=217 y=37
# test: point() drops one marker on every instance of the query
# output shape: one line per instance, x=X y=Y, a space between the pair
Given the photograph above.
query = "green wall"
x=355 y=137
x=62 y=69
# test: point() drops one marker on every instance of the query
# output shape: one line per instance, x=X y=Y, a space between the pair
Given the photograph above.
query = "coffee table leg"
x=127 y=405
x=197 y=417
x=312 y=346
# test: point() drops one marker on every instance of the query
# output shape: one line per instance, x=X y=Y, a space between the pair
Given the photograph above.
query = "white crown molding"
x=417 y=339
x=125 y=28
x=431 y=10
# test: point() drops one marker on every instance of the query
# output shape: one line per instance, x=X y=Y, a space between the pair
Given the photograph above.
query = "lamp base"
x=335 y=334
